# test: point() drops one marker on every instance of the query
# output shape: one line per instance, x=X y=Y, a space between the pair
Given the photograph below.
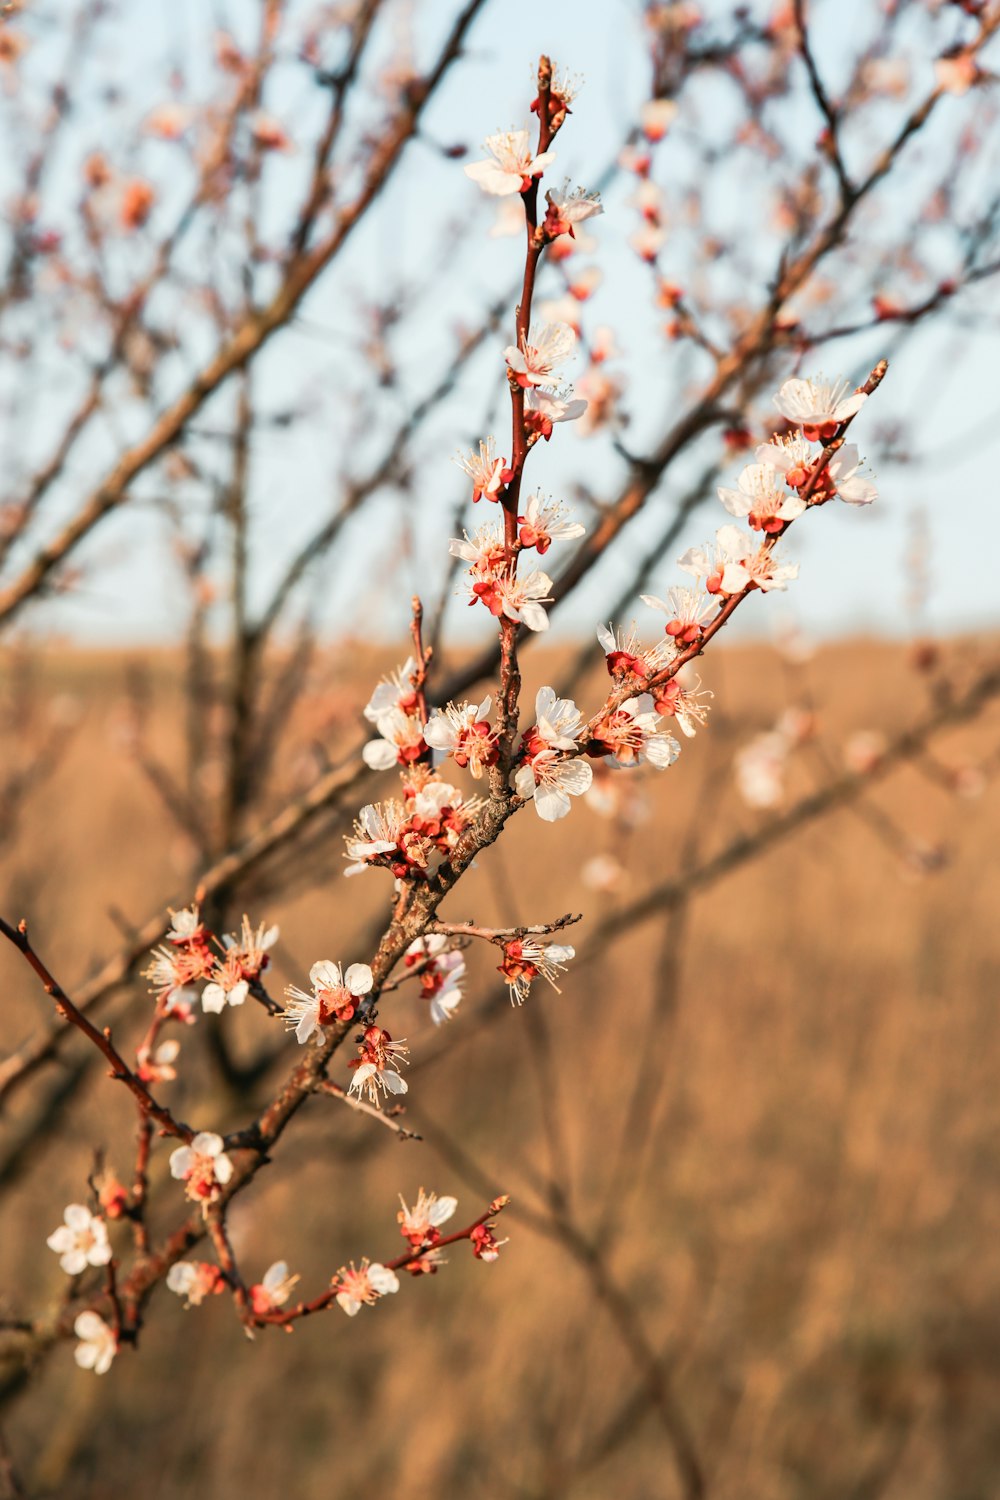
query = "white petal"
x=213 y=998
x=239 y=992
x=534 y=616
x=325 y=975
x=359 y=979
x=383 y=1280
x=442 y=1211
x=379 y=755
x=393 y=1083
x=551 y=803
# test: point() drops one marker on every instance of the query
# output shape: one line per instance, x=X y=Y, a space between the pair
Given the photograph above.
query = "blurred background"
x=250 y=306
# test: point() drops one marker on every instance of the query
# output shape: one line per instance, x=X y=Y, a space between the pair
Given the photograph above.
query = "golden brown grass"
x=806 y=1224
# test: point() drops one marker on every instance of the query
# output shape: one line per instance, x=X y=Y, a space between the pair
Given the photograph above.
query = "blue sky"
x=853 y=574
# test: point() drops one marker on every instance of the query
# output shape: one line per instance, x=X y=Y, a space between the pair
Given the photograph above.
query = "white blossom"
x=510 y=166
x=98 y=1345
x=81 y=1241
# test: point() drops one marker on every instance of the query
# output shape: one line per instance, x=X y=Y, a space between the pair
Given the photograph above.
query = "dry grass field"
x=799 y=1214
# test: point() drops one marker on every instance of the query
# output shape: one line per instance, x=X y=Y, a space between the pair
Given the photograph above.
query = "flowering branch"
x=18 y=937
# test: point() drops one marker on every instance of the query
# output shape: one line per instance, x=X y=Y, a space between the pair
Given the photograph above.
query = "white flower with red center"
x=731 y=545
x=544 y=522
x=395 y=690
x=818 y=406
x=81 y=1241
x=842 y=472
x=486 y=555
x=525 y=958
x=687 y=704
x=158 y=1066
x=763 y=568
x=376 y=1068
x=566 y=210
x=626 y=657
x=174 y=970
x=362 y=1286
x=551 y=780
x=335 y=996
x=543 y=409
x=656 y=117
x=421 y=1224
x=792 y=456
x=203 y=1166
x=440 y=976
x=521 y=599
x=376 y=832
x=245 y=959
x=402 y=741
x=463 y=731
x=185 y=926
x=274 y=1290
x=98 y=1345
x=510 y=166
x=194 y=1280
x=630 y=735
x=488 y=473
x=542 y=351
x=761 y=497
x=686 y=611
x=796 y=459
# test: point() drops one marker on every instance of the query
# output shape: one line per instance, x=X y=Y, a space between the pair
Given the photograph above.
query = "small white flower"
x=485 y=470
x=394 y=691
x=526 y=958
x=761 y=497
x=463 y=731
x=551 y=780
x=566 y=210
x=510 y=166
x=818 y=406
x=194 y=1281
x=334 y=998
x=81 y=1241
x=546 y=521
x=376 y=830
x=542 y=409
x=402 y=740
x=522 y=599
x=203 y=1165
x=428 y=1212
x=98 y=1345
x=369 y=1078
x=274 y=1289
x=541 y=352
x=851 y=486
x=630 y=735
x=363 y=1285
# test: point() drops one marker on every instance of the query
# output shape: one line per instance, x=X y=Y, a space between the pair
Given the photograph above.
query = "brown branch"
x=18 y=937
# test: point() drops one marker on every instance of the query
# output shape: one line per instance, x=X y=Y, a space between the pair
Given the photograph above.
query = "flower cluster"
x=415 y=836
